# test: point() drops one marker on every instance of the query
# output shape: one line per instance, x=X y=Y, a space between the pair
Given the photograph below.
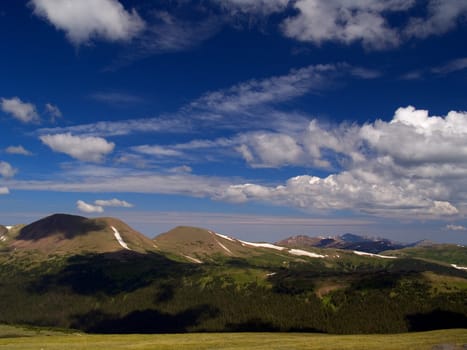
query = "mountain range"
x=100 y=275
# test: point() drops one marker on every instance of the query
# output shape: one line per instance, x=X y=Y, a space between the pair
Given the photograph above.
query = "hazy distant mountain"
x=70 y=234
x=346 y=241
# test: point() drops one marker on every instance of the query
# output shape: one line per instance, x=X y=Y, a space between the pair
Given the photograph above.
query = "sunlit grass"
x=25 y=340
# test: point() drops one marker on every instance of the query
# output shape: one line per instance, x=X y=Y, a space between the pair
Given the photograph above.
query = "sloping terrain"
x=99 y=275
x=201 y=245
x=445 y=253
x=70 y=234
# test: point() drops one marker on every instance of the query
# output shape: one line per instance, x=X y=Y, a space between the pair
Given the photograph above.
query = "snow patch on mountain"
x=193 y=259
x=262 y=245
x=223 y=236
x=374 y=255
x=305 y=253
x=119 y=238
x=459 y=267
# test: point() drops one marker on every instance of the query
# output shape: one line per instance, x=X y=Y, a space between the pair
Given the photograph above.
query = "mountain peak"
x=69 y=226
x=72 y=234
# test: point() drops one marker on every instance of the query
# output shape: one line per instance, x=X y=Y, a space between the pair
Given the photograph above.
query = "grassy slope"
x=257 y=341
x=445 y=253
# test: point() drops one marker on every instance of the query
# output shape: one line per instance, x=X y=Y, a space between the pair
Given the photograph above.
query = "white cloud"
x=171 y=34
x=53 y=111
x=264 y=7
x=88 y=208
x=18 y=150
x=452 y=227
x=6 y=170
x=344 y=191
x=271 y=90
x=23 y=111
x=367 y=22
x=181 y=169
x=4 y=190
x=131 y=181
x=270 y=150
x=413 y=137
x=244 y=106
x=157 y=151
x=452 y=66
x=414 y=165
x=86 y=20
x=345 y=21
x=92 y=149
x=443 y=16
x=124 y=127
x=113 y=203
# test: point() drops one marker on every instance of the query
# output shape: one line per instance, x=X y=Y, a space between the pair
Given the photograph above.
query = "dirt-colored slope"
x=199 y=245
x=70 y=234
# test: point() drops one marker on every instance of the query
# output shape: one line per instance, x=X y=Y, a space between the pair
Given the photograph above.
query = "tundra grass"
x=451 y=339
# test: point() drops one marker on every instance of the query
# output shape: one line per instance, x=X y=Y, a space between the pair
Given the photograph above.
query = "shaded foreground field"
x=25 y=339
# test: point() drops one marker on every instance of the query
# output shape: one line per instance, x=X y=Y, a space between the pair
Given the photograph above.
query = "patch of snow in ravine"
x=263 y=245
x=119 y=238
x=8 y=227
x=193 y=259
x=459 y=267
x=374 y=255
x=223 y=247
x=305 y=253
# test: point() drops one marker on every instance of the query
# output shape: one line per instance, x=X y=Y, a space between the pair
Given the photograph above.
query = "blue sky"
x=260 y=119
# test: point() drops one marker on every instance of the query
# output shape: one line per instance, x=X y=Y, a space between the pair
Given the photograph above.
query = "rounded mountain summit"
x=71 y=234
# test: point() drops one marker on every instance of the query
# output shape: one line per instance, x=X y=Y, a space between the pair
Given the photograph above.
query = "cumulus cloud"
x=90 y=148
x=23 y=111
x=113 y=203
x=344 y=191
x=413 y=137
x=6 y=170
x=18 y=150
x=4 y=190
x=85 y=20
x=452 y=227
x=414 y=164
x=263 y=149
x=88 y=208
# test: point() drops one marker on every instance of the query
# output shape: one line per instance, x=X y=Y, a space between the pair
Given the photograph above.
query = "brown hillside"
x=70 y=234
